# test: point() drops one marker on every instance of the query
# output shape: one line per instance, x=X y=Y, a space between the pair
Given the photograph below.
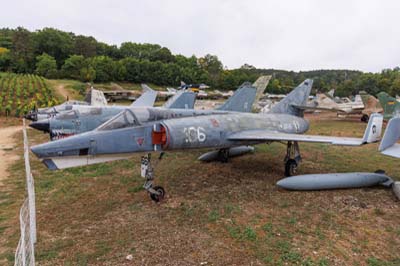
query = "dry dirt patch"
x=61 y=90
x=7 y=144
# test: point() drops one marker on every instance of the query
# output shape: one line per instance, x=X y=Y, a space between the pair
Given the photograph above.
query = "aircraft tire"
x=160 y=197
x=365 y=118
x=290 y=168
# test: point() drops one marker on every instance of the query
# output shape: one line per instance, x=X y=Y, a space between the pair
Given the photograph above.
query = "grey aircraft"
x=85 y=118
x=180 y=105
x=92 y=98
x=125 y=135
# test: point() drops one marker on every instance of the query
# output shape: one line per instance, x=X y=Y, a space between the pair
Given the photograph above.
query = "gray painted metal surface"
x=147 y=98
x=232 y=152
x=298 y=96
x=396 y=189
x=92 y=98
x=389 y=145
x=126 y=134
x=242 y=103
x=334 y=181
x=86 y=119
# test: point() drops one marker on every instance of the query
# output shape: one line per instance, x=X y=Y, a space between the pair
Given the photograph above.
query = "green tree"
x=56 y=43
x=46 y=66
x=213 y=66
x=22 y=51
x=104 y=67
x=72 y=67
x=84 y=45
x=5 y=59
x=87 y=73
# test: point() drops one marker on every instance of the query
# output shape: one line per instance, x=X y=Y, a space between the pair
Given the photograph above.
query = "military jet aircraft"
x=81 y=118
x=325 y=102
x=181 y=105
x=125 y=134
x=92 y=98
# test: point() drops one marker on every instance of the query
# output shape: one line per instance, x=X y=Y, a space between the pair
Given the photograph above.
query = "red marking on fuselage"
x=214 y=122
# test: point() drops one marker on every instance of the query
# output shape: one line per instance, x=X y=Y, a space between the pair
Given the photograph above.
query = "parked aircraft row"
x=227 y=131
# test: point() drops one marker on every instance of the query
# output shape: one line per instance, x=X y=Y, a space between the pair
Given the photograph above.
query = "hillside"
x=57 y=54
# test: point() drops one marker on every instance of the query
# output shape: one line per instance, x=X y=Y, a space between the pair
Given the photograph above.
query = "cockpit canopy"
x=67 y=115
x=122 y=120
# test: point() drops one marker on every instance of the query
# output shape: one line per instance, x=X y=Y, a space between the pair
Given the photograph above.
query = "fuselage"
x=114 y=140
x=86 y=119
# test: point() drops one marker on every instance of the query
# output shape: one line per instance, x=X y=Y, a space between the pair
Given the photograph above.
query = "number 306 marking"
x=194 y=134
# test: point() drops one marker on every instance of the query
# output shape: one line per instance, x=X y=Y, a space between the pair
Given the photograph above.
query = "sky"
x=281 y=34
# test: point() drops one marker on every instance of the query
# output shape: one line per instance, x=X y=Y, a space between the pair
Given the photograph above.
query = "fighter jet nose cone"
x=35 y=150
x=41 y=125
x=31 y=116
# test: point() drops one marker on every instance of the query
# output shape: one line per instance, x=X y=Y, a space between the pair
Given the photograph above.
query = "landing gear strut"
x=292 y=158
x=157 y=193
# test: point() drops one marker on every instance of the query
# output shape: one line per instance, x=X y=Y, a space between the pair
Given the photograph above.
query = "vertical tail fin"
x=389 y=145
x=261 y=84
x=389 y=104
x=95 y=97
x=147 y=98
x=374 y=129
x=242 y=100
x=181 y=100
x=297 y=97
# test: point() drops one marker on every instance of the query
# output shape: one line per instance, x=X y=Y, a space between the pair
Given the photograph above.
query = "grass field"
x=214 y=214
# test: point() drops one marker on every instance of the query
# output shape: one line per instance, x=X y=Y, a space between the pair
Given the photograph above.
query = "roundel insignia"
x=140 y=141
x=214 y=122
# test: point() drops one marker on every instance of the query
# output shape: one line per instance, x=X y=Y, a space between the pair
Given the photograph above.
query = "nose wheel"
x=157 y=193
x=292 y=158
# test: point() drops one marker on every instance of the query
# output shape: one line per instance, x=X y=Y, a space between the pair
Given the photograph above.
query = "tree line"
x=53 y=53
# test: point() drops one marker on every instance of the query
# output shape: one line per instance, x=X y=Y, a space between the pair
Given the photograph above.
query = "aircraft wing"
x=147 y=98
x=372 y=134
x=277 y=136
x=315 y=108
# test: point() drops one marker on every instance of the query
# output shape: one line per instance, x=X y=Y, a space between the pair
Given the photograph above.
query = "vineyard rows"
x=20 y=93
